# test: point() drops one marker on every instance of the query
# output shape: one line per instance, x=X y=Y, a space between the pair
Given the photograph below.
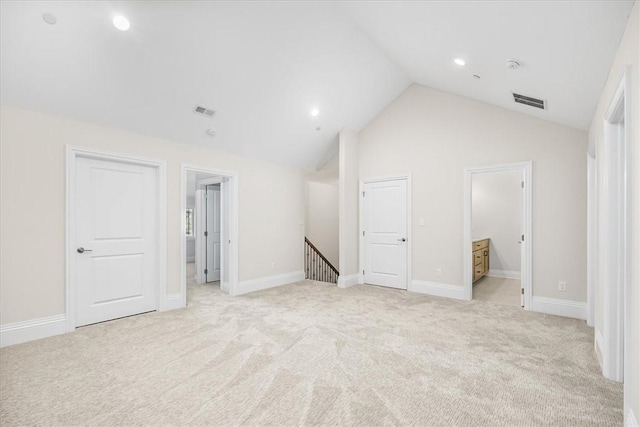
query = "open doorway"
x=497 y=234
x=210 y=254
x=496 y=231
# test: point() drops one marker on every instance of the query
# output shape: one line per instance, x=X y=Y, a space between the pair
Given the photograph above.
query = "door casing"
x=229 y=226
x=72 y=155
x=361 y=258
x=526 y=266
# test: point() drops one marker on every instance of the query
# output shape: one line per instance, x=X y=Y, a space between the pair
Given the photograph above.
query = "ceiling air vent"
x=204 y=111
x=531 y=102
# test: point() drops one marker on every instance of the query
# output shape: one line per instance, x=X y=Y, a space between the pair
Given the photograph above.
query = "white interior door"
x=212 y=233
x=385 y=233
x=116 y=238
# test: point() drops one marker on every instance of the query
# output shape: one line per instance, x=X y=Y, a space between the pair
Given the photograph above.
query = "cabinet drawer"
x=480 y=245
x=478 y=272
x=478 y=257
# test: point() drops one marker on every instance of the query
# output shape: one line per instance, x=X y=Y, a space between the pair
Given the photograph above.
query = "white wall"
x=32 y=151
x=434 y=135
x=321 y=222
x=348 y=188
x=628 y=54
x=497 y=213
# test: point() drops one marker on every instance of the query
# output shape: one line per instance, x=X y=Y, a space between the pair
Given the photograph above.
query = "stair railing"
x=316 y=266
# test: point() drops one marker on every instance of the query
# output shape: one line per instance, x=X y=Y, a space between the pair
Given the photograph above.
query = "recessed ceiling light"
x=121 y=23
x=49 y=18
x=459 y=61
x=314 y=112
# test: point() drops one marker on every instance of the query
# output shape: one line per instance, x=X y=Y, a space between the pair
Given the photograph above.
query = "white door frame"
x=592 y=236
x=200 y=243
x=227 y=192
x=616 y=224
x=361 y=258
x=73 y=153
x=527 y=267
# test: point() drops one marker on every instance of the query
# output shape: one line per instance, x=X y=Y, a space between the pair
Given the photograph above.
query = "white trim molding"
x=172 y=302
x=504 y=274
x=560 y=307
x=269 y=282
x=229 y=187
x=614 y=223
x=29 y=330
x=437 y=289
x=598 y=345
x=631 y=420
x=361 y=240
x=348 y=281
x=526 y=264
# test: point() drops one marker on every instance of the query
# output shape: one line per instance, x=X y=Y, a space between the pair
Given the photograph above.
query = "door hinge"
x=363 y=272
x=206 y=233
x=206 y=271
x=363 y=232
x=522 y=184
x=522 y=291
x=363 y=194
x=523 y=237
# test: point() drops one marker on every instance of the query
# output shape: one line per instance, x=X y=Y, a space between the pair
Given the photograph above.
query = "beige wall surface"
x=321 y=218
x=434 y=136
x=628 y=55
x=348 y=202
x=32 y=151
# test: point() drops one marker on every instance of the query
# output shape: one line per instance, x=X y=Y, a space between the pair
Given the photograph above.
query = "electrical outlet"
x=421 y=222
x=562 y=286
x=438 y=272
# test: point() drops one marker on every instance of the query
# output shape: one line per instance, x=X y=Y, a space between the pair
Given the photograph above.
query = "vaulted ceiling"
x=264 y=66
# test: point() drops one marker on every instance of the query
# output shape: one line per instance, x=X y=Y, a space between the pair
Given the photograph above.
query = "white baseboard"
x=347 y=281
x=437 y=289
x=631 y=420
x=172 y=302
x=504 y=274
x=560 y=307
x=269 y=282
x=29 y=330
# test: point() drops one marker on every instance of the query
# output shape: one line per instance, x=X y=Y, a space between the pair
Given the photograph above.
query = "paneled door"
x=116 y=239
x=385 y=233
x=212 y=233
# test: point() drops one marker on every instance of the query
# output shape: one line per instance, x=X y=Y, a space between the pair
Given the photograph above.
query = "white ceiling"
x=263 y=65
x=565 y=49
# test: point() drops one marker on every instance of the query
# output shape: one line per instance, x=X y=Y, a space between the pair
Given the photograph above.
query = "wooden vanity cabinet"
x=480 y=258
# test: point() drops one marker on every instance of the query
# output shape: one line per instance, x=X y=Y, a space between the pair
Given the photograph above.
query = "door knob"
x=82 y=250
x=402 y=240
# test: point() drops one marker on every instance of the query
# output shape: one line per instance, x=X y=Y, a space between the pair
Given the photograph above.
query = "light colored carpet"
x=313 y=354
x=497 y=290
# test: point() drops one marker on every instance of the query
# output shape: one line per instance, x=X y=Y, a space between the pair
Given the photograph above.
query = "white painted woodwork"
x=385 y=227
x=213 y=233
x=526 y=246
x=116 y=223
